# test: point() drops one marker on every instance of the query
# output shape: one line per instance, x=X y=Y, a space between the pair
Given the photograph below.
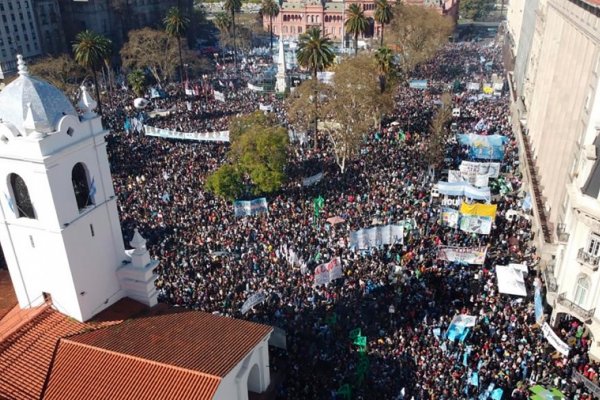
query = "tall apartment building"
x=114 y=18
x=556 y=82
x=50 y=26
x=18 y=32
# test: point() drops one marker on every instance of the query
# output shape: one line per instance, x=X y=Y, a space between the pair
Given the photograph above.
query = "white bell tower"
x=59 y=226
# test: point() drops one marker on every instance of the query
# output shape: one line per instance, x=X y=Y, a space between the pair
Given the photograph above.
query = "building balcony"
x=577 y=310
x=588 y=259
x=589 y=385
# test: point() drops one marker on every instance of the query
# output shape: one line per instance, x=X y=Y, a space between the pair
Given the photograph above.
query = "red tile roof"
x=83 y=372
x=192 y=340
x=28 y=338
x=25 y=354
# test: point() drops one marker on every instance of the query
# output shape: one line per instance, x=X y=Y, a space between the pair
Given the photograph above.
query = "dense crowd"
x=401 y=296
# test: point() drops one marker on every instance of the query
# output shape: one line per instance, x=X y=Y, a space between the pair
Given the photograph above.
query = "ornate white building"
x=556 y=45
x=59 y=225
x=87 y=321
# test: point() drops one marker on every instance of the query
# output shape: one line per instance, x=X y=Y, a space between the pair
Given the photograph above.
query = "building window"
x=593 y=247
x=582 y=288
x=81 y=186
x=22 y=202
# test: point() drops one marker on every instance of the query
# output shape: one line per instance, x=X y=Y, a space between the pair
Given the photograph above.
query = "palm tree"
x=91 y=49
x=315 y=53
x=271 y=9
x=384 y=57
x=137 y=80
x=175 y=25
x=383 y=15
x=356 y=23
x=233 y=6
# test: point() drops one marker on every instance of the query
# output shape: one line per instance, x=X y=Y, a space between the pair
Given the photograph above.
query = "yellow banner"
x=481 y=210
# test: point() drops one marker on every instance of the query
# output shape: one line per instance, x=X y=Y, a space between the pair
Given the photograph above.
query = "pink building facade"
x=297 y=16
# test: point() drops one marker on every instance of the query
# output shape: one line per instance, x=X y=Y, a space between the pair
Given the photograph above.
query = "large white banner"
x=255 y=88
x=219 y=96
x=475 y=224
x=510 y=280
x=311 y=180
x=328 y=272
x=253 y=300
x=477 y=180
x=221 y=136
x=265 y=107
x=469 y=255
x=243 y=208
x=554 y=340
x=472 y=168
x=377 y=236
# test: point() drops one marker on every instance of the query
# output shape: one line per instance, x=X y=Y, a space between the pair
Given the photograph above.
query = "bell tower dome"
x=59 y=226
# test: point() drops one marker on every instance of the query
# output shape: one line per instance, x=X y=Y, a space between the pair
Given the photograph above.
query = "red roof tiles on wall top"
x=84 y=372
x=25 y=355
x=191 y=340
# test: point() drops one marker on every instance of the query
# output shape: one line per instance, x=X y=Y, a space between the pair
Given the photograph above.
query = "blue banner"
x=538 y=304
x=489 y=147
x=418 y=84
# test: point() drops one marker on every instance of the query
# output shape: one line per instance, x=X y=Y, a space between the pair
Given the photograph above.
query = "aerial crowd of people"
x=401 y=296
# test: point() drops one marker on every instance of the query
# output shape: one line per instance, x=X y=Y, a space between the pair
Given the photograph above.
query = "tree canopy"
x=258 y=155
x=355 y=106
x=61 y=71
x=416 y=34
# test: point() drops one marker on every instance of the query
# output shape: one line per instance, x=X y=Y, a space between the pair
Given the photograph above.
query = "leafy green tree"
x=270 y=9
x=258 y=153
x=137 y=80
x=233 y=6
x=227 y=182
x=356 y=23
x=383 y=15
x=91 y=49
x=385 y=65
x=416 y=34
x=175 y=25
x=248 y=123
x=263 y=156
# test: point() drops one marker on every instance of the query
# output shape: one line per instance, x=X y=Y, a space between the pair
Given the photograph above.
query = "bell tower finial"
x=87 y=104
x=22 y=66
